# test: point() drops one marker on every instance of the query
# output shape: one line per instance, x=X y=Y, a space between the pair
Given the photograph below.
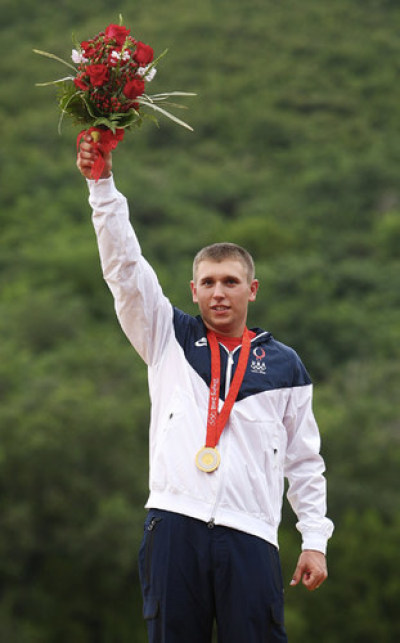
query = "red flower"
x=78 y=82
x=98 y=74
x=117 y=33
x=134 y=88
x=88 y=48
x=144 y=54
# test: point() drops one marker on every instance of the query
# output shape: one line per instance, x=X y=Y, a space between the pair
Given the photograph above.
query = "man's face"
x=222 y=291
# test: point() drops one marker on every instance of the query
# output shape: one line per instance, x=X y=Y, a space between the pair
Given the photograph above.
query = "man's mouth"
x=219 y=308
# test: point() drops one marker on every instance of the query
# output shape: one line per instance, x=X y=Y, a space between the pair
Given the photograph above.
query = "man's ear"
x=253 y=289
x=194 y=292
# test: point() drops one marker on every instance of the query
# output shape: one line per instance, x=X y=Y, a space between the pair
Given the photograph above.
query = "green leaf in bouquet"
x=73 y=102
x=54 y=57
x=149 y=102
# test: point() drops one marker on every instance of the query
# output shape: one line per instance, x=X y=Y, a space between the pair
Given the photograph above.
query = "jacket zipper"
x=228 y=373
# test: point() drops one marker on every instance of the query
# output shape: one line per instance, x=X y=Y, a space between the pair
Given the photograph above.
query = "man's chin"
x=222 y=327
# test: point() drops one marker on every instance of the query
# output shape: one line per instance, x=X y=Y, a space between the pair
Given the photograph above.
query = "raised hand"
x=87 y=155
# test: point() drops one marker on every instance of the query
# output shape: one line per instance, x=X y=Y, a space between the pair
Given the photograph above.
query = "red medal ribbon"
x=216 y=421
x=106 y=142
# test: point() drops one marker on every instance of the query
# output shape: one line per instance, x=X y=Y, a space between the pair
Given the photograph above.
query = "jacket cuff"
x=102 y=187
x=315 y=542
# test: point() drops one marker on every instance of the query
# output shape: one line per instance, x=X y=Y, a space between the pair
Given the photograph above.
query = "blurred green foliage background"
x=296 y=155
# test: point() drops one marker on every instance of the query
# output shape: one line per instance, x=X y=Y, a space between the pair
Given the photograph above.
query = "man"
x=231 y=416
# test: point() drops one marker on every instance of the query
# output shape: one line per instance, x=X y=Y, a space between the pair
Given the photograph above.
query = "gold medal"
x=208 y=459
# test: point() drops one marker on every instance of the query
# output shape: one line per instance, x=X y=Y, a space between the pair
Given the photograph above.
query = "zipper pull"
x=211 y=523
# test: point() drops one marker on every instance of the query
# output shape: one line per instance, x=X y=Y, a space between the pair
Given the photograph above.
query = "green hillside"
x=295 y=154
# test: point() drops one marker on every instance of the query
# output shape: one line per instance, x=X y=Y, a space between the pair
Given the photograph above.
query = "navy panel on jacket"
x=272 y=365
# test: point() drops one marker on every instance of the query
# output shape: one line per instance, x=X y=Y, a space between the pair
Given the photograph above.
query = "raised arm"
x=143 y=311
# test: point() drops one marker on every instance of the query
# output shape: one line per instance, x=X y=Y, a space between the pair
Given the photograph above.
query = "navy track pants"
x=192 y=573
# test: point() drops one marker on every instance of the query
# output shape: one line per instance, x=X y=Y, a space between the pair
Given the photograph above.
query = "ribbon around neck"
x=216 y=421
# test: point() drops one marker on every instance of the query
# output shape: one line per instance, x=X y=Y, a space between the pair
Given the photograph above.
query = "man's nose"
x=218 y=291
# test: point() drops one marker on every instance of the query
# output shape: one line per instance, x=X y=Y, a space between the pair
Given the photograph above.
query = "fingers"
x=296 y=577
x=88 y=157
x=312 y=580
x=311 y=570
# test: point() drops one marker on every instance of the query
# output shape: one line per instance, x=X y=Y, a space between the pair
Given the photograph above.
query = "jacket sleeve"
x=304 y=468
x=143 y=311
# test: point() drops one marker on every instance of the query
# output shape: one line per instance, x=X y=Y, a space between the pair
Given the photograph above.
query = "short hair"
x=220 y=251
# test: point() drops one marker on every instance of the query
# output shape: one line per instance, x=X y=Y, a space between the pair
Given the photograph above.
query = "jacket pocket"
x=256 y=469
x=174 y=444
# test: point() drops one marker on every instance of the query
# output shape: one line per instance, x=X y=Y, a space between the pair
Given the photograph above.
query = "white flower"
x=78 y=57
x=116 y=55
x=142 y=72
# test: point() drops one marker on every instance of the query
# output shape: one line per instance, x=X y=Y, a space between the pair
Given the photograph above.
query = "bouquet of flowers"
x=106 y=93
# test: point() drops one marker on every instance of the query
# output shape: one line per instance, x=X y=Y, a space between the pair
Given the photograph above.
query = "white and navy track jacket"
x=271 y=432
